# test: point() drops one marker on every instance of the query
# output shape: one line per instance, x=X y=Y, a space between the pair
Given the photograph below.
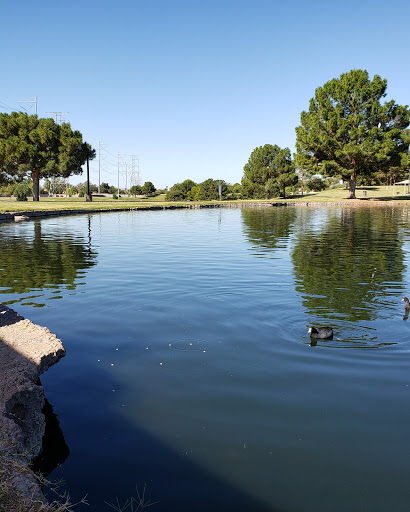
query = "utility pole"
x=99 y=166
x=88 y=197
x=118 y=188
x=33 y=101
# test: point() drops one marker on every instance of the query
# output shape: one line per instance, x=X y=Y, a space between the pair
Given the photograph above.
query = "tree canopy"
x=41 y=147
x=268 y=170
x=136 y=190
x=348 y=132
x=180 y=191
x=208 y=190
x=148 y=188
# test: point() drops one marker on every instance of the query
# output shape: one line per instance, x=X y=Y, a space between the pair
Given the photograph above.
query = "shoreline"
x=26 y=351
x=34 y=214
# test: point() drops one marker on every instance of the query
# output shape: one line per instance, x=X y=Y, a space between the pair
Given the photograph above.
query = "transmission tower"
x=58 y=116
x=101 y=146
x=135 y=171
x=122 y=163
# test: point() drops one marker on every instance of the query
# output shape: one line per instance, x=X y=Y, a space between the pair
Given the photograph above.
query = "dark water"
x=190 y=378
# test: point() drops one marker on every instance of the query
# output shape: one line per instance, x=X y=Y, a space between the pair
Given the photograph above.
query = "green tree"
x=209 y=190
x=180 y=191
x=193 y=194
x=82 y=188
x=72 y=191
x=7 y=189
x=348 y=131
x=252 y=190
x=136 y=190
x=175 y=193
x=148 y=188
x=104 y=188
x=22 y=190
x=272 y=188
x=266 y=163
x=40 y=147
x=234 y=191
x=316 y=184
x=286 y=179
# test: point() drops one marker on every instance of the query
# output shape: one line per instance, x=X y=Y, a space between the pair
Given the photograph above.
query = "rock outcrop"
x=26 y=351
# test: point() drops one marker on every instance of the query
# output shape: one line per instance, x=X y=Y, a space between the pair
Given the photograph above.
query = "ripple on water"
x=198 y=320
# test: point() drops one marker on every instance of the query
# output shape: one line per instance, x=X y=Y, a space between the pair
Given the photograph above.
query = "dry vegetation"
x=12 y=499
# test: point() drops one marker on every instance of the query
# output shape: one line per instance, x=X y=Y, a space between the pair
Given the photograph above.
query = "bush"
x=316 y=184
x=20 y=192
x=114 y=196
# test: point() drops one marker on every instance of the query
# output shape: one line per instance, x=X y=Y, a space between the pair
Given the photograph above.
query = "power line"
x=7 y=107
x=33 y=101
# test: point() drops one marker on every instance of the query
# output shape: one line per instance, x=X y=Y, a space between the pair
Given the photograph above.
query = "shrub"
x=20 y=192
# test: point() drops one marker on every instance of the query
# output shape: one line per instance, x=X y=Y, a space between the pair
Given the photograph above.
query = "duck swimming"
x=407 y=304
x=321 y=332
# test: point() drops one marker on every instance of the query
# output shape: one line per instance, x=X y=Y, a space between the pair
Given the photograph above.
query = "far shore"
x=11 y=210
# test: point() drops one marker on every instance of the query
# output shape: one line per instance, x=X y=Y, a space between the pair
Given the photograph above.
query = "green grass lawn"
x=381 y=193
x=7 y=204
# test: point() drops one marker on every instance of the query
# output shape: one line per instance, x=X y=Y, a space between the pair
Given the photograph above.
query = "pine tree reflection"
x=54 y=260
x=344 y=266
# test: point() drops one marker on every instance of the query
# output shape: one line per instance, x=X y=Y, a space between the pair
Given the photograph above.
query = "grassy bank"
x=380 y=193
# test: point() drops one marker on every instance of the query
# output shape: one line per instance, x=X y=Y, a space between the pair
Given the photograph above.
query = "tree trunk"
x=352 y=185
x=284 y=192
x=35 y=175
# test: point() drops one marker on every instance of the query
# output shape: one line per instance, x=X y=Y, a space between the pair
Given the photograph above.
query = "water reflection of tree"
x=268 y=228
x=43 y=261
x=342 y=267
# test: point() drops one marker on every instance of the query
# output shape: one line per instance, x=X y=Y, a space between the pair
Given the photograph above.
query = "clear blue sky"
x=192 y=87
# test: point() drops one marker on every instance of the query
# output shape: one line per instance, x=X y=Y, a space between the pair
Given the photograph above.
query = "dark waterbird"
x=406 y=304
x=321 y=332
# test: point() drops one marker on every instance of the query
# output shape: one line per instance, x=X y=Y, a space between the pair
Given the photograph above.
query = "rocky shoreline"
x=26 y=351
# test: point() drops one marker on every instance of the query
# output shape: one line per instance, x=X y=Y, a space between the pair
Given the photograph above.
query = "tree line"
x=347 y=134
x=208 y=190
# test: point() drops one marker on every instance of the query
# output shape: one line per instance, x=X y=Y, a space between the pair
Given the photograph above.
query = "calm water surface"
x=189 y=373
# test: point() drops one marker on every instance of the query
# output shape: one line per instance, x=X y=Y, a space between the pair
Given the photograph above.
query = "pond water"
x=190 y=378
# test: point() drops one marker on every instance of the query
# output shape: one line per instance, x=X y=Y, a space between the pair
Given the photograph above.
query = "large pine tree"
x=41 y=147
x=348 y=132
